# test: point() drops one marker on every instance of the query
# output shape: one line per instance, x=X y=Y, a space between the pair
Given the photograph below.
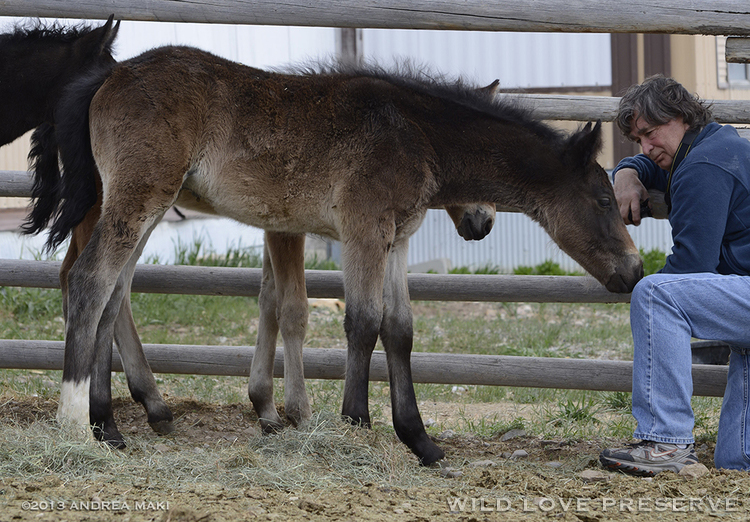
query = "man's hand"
x=629 y=192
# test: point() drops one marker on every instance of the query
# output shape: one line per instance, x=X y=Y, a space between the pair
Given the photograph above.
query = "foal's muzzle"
x=626 y=275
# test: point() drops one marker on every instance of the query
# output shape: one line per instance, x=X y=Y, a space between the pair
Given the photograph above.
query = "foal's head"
x=37 y=63
x=582 y=215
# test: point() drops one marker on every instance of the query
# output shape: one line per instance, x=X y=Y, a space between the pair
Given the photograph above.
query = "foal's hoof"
x=431 y=456
x=362 y=422
x=109 y=434
x=163 y=427
x=116 y=444
x=427 y=451
x=298 y=416
x=271 y=427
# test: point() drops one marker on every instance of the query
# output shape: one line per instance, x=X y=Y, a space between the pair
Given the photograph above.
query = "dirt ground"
x=523 y=478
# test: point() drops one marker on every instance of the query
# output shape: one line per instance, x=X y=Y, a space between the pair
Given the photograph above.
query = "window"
x=738 y=72
x=730 y=75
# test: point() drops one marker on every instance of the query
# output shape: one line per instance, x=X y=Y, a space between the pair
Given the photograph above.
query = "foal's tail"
x=65 y=199
x=44 y=192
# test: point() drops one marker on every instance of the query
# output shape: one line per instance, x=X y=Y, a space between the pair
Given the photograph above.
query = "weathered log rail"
x=718 y=17
x=329 y=363
x=202 y=280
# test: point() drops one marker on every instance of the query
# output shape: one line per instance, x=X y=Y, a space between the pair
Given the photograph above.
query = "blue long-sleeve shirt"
x=710 y=214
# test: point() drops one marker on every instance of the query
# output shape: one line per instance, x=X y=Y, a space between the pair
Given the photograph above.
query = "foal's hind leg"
x=141 y=380
x=396 y=334
x=283 y=304
x=101 y=414
x=97 y=283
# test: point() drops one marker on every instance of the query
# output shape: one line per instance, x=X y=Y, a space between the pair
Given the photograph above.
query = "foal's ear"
x=584 y=145
x=491 y=89
x=100 y=40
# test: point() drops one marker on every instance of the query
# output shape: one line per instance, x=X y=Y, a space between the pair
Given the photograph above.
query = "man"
x=704 y=289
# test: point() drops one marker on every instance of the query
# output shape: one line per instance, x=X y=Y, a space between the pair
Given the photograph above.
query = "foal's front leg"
x=283 y=305
x=364 y=260
x=396 y=334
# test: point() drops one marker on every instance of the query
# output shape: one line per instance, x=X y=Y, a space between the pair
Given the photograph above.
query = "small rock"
x=553 y=464
x=311 y=507
x=447 y=434
x=693 y=471
x=256 y=493
x=250 y=431
x=429 y=422
x=592 y=475
x=458 y=390
x=483 y=464
x=524 y=310
x=450 y=473
x=519 y=454
x=161 y=448
x=512 y=434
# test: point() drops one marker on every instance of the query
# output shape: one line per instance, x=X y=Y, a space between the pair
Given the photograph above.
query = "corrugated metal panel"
x=258 y=46
x=515 y=241
x=518 y=60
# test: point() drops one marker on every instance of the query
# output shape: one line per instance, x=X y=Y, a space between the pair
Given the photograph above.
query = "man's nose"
x=646 y=147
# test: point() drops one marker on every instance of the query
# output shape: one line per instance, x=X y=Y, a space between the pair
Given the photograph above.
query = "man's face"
x=659 y=142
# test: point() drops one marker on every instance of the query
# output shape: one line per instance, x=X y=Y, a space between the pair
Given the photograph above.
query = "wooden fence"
x=717 y=17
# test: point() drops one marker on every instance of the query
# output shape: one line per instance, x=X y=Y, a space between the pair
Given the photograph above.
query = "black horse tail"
x=77 y=192
x=44 y=166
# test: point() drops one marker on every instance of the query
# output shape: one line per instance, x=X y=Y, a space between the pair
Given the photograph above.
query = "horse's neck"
x=497 y=171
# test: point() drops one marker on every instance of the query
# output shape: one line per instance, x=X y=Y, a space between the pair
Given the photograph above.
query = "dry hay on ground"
x=217 y=467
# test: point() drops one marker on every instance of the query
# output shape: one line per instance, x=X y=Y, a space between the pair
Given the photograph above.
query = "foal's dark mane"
x=421 y=79
x=37 y=30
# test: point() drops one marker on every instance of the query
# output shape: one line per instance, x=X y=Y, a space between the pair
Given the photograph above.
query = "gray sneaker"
x=648 y=458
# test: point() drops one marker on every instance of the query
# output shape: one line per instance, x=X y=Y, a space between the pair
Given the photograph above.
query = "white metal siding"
x=258 y=46
x=515 y=241
x=518 y=60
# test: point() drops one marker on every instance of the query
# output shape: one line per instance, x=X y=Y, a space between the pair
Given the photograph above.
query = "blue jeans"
x=666 y=310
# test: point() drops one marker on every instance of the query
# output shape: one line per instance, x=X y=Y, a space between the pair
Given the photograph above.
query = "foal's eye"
x=604 y=202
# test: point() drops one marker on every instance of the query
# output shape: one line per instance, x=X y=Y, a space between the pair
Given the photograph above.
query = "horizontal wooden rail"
x=718 y=17
x=201 y=280
x=592 y=108
x=738 y=50
x=17 y=184
x=329 y=363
